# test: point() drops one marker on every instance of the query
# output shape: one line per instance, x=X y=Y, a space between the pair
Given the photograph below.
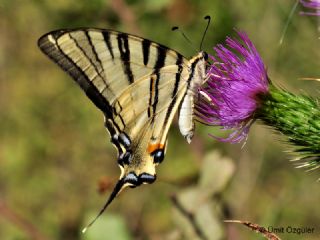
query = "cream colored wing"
x=136 y=83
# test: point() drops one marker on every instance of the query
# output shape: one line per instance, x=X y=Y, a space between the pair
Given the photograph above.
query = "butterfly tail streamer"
x=112 y=196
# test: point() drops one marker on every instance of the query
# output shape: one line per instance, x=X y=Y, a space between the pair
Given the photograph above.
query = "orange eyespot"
x=152 y=147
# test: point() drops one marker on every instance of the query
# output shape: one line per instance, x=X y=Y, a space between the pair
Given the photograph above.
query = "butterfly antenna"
x=112 y=196
x=208 y=18
x=175 y=28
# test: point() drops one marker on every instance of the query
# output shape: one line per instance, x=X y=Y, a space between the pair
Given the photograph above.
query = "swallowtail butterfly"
x=138 y=85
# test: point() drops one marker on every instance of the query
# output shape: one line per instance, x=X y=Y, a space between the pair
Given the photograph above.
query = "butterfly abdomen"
x=197 y=75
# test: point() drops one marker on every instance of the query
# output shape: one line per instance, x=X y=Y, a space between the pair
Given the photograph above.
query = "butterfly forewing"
x=138 y=85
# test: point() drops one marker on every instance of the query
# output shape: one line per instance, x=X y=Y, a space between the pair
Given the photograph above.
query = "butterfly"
x=138 y=85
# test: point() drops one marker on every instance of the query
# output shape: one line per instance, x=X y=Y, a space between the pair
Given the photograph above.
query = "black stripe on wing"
x=146 y=51
x=161 y=58
x=124 y=50
x=175 y=90
x=95 y=63
x=106 y=37
x=96 y=59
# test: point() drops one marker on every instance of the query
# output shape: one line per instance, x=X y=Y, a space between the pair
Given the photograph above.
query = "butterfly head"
x=204 y=55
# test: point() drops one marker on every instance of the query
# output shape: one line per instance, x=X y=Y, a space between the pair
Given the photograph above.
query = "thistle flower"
x=238 y=92
x=235 y=82
x=313 y=7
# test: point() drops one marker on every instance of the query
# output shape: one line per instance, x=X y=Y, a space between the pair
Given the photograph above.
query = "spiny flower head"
x=236 y=79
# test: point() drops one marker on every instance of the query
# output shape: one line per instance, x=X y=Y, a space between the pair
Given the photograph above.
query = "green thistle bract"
x=298 y=118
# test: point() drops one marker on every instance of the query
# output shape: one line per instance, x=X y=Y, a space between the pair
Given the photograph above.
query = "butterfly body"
x=138 y=85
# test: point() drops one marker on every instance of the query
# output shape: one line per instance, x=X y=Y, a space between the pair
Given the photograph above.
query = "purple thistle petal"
x=229 y=98
x=313 y=7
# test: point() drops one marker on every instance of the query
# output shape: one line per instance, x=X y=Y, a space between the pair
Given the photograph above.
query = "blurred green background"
x=57 y=165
